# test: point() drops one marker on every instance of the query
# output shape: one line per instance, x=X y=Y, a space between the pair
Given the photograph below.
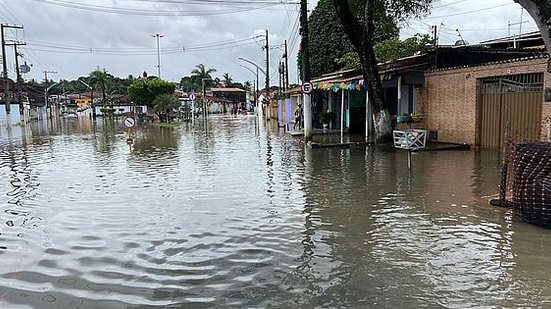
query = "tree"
x=194 y=82
x=100 y=78
x=390 y=49
x=164 y=104
x=247 y=86
x=227 y=80
x=144 y=91
x=540 y=10
x=201 y=72
x=360 y=29
x=328 y=41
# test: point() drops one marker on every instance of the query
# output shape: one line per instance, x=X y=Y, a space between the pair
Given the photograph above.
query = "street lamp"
x=258 y=68
x=92 y=97
x=256 y=83
x=158 y=36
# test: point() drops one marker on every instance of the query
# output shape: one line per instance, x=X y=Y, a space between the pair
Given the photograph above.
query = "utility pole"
x=267 y=47
x=17 y=70
x=46 y=88
x=158 y=36
x=286 y=67
x=435 y=36
x=280 y=74
x=308 y=129
x=5 y=66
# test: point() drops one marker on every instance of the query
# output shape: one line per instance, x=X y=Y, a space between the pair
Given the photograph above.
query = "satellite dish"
x=461 y=42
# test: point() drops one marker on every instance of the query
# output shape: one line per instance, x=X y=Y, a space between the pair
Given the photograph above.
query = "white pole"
x=330 y=108
x=367 y=116
x=192 y=112
x=399 y=94
x=308 y=129
x=342 y=115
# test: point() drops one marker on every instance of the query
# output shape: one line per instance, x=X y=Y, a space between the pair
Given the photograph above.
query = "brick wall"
x=449 y=98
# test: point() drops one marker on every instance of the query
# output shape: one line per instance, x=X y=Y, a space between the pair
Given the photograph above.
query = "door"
x=510 y=100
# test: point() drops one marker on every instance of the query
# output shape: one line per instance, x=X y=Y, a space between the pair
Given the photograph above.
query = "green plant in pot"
x=325 y=118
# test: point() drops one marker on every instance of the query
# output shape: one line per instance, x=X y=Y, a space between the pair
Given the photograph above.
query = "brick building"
x=474 y=104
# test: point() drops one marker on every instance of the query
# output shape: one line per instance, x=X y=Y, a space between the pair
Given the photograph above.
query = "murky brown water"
x=225 y=218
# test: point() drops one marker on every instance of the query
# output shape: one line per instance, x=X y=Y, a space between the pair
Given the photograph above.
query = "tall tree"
x=227 y=80
x=202 y=72
x=99 y=78
x=328 y=40
x=540 y=10
x=360 y=29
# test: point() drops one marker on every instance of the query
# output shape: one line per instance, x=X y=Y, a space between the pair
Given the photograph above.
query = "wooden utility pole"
x=286 y=66
x=308 y=129
x=17 y=71
x=5 y=65
x=267 y=47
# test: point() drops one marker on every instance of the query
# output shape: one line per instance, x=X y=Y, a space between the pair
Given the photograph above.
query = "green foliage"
x=164 y=103
x=328 y=40
x=100 y=79
x=325 y=117
x=349 y=60
x=227 y=80
x=389 y=50
x=194 y=82
x=395 y=48
x=144 y=92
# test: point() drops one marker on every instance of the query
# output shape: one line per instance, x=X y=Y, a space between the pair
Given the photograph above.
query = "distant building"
x=235 y=95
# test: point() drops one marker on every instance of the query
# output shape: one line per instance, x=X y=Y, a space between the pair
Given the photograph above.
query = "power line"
x=148 y=12
x=470 y=12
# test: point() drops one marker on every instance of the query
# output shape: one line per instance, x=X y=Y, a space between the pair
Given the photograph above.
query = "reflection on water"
x=221 y=216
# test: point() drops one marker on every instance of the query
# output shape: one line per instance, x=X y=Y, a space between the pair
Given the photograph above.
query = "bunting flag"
x=357 y=85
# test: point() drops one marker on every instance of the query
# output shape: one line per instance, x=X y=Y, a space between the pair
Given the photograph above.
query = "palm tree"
x=201 y=72
x=164 y=104
x=248 y=85
x=227 y=80
x=100 y=78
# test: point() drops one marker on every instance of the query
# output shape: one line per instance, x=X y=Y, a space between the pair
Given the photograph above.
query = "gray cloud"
x=49 y=24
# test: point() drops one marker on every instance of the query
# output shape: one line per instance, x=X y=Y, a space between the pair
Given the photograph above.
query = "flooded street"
x=224 y=217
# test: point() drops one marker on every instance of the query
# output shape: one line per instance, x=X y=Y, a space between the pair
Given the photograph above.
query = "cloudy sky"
x=74 y=37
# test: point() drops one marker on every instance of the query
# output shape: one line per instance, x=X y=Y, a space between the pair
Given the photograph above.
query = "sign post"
x=307 y=88
x=129 y=123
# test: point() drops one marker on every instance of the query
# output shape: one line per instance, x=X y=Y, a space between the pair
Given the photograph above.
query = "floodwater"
x=222 y=217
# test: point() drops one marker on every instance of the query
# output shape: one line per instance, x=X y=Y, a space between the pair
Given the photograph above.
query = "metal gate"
x=510 y=100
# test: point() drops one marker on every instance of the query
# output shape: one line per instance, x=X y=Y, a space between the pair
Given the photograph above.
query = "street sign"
x=192 y=96
x=307 y=87
x=129 y=122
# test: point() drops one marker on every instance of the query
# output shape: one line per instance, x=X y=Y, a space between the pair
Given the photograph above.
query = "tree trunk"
x=540 y=10
x=361 y=36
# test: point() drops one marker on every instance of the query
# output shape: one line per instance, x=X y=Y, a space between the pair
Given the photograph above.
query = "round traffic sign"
x=129 y=122
x=192 y=96
x=307 y=87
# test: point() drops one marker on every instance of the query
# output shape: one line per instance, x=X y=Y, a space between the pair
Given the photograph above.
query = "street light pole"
x=255 y=82
x=158 y=36
x=258 y=68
